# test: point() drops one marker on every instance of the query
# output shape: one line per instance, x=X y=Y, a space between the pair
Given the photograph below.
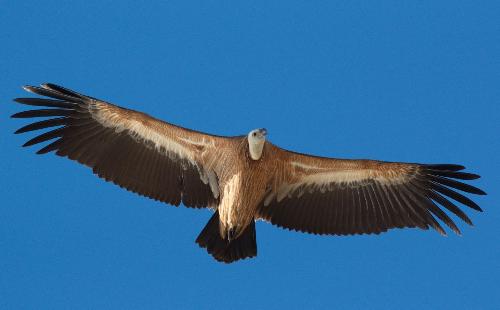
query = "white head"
x=256 y=140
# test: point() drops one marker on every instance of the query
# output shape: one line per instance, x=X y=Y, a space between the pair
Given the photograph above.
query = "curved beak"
x=263 y=131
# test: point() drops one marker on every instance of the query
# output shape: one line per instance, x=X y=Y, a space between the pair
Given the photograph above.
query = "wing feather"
x=129 y=148
x=335 y=196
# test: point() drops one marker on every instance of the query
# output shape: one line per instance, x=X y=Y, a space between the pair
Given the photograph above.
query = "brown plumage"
x=244 y=178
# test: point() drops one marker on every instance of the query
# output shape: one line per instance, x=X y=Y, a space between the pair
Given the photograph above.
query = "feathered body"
x=243 y=186
x=244 y=178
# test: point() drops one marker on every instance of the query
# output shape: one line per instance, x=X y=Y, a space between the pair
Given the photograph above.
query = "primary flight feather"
x=244 y=178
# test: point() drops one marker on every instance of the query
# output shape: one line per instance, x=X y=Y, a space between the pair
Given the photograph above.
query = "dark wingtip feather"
x=455 y=229
x=449 y=205
x=457 y=185
x=42 y=125
x=43 y=102
x=53 y=93
x=55 y=87
x=450 y=167
x=473 y=176
x=21 y=130
x=439 y=229
x=41 y=113
x=19 y=100
x=30 y=89
x=50 y=147
x=455 y=195
x=51 y=86
x=17 y=115
x=480 y=192
x=453 y=174
x=49 y=135
x=468 y=176
x=63 y=90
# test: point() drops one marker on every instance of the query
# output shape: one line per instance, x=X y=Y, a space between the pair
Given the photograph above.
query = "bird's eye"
x=254 y=134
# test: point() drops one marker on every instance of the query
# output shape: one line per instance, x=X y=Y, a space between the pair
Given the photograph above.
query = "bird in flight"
x=244 y=178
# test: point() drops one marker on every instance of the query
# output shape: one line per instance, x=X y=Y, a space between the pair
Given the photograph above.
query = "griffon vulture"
x=244 y=178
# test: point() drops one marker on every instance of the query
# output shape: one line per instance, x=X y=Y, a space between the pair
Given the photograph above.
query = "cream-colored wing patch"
x=111 y=119
x=110 y=116
x=316 y=178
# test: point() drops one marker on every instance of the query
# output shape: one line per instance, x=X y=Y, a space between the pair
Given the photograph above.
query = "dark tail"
x=227 y=251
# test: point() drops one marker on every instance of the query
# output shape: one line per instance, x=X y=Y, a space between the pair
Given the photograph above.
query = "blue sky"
x=391 y=80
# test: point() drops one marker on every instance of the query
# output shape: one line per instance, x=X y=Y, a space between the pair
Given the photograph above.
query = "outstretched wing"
x=129 y=148
x=333 y=196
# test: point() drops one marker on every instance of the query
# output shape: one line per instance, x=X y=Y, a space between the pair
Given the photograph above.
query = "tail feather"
x=224 y=250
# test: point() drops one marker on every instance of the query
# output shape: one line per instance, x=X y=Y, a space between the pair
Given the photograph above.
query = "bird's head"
x=256 y=140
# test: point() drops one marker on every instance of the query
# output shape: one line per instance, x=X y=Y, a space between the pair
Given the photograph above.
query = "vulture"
x=244 y=178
